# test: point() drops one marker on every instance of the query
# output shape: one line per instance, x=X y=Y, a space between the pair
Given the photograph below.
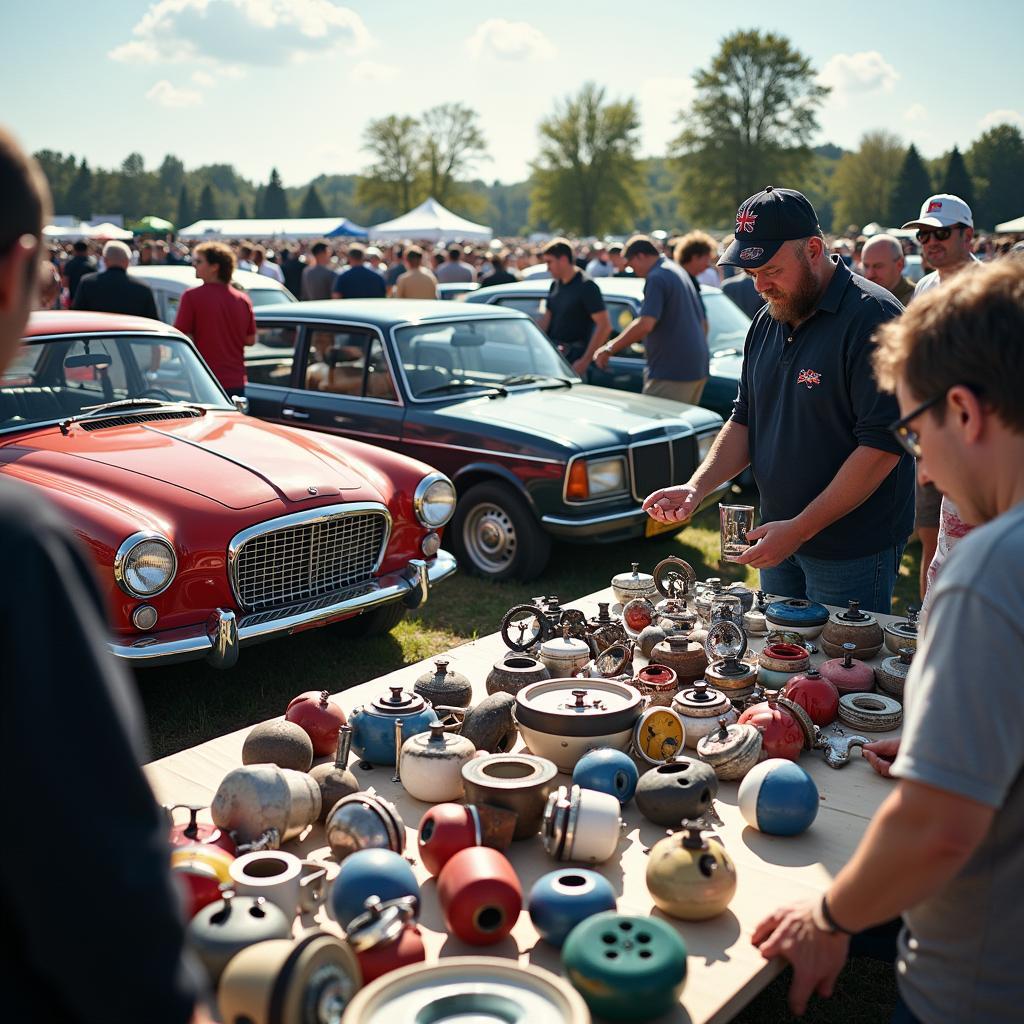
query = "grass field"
x=187 y=704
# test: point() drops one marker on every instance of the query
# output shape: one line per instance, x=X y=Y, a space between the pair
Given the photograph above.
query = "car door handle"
x=294 y=414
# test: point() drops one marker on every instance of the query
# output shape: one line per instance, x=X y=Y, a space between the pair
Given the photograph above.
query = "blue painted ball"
x=366 y=873
x=778 y=797
x=608 y=771
x=559 y=900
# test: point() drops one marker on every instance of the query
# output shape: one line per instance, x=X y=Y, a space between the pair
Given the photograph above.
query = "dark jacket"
x=113 y=291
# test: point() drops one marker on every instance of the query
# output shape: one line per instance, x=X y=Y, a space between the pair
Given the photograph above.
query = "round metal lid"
x=381 y=922
x=853 y=616
x=725 y=640
x=728 y=742
x=398 y=702
x=701 y=701
x=633 y=580
x=575 y=707
x=565 y=646
x=558 y=828
x=796 y=612
x=659 y=735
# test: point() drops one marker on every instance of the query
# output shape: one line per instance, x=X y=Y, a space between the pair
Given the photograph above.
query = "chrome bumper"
x=225 y=633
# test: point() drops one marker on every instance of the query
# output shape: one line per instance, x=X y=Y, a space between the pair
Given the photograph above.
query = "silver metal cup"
x=735 y=521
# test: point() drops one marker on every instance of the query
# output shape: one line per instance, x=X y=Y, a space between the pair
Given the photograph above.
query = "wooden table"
x=724 y=970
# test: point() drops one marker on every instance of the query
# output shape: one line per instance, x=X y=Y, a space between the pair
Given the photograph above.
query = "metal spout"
x=344 y=746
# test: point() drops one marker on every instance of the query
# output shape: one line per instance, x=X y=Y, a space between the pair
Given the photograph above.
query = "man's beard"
x=799 y=303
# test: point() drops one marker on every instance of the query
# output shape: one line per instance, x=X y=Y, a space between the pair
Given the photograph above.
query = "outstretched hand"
x=672 y=504
x=880 y=755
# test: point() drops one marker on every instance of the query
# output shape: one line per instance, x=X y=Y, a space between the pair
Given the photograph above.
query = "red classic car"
x=210 y=529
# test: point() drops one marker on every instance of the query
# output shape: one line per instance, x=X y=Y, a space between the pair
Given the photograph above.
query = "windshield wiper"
x=123 y=405
x=536 y=378
x=453 y=385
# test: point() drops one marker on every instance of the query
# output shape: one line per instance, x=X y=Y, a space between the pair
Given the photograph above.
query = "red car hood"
x=229 y=458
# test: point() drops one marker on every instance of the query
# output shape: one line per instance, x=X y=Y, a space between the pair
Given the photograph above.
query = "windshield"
x=52 y=379
x=453 y=357
x=269 y=296
x=727 y=323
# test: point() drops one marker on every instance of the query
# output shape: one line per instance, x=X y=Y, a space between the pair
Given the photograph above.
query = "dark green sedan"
x=480 y=393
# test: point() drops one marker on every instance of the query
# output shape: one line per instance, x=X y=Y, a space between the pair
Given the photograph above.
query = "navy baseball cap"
x=764 y=222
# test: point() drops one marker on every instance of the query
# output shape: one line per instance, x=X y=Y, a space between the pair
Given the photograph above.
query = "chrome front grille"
x=305 y=556
x=661 y=463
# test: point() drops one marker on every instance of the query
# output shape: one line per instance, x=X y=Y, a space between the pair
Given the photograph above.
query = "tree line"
x=750 y=124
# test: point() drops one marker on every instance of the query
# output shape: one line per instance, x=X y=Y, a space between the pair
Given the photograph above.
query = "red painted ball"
x=815 y=694
x=319 y=717
x=781 y=735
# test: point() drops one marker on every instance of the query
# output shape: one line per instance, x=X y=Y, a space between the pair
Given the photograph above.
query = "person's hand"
x=672 y=504
x=880 y=754
x=601 y=356
x=771 y=543
x=817 y=956
x=580 y=366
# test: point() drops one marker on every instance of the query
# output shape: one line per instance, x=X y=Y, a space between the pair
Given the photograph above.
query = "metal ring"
x=873 y=712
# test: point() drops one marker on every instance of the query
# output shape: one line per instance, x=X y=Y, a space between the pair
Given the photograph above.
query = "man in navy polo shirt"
x=358 y=281
x=837 y=491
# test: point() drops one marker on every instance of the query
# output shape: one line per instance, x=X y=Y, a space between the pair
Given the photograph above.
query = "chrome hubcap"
x=490 y=537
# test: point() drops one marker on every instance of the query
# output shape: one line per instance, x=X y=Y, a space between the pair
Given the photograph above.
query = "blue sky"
x=292 y=83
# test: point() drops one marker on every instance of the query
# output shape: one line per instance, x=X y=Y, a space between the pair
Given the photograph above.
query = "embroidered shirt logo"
x=935 y=204
x=809 y=377
x=745 y=221
x=753 y=252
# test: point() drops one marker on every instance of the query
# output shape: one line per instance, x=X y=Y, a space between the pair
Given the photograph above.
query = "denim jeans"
x=870 y=579
x=879 y=943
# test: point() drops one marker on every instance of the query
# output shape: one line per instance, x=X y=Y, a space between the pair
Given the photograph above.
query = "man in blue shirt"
x=837 y=491
x=358 y=281
x=671 y=325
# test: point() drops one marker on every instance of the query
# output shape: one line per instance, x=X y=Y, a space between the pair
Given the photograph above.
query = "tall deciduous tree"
x=390 y=182
x=587 y=178
x=996 y=162
x=957 y=179
x=207 y=204
x=186 y=211
x=863 y=182
x=913 y=186
x=312 y=204
x=756 y=109
x=452 y=143
x=275 y=202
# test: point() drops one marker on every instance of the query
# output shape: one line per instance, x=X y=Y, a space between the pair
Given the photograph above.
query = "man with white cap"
x=945 y=230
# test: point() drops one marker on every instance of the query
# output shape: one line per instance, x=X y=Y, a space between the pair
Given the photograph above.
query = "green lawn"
x=187 y=704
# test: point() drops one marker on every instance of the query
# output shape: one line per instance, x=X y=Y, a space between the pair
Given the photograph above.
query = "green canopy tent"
x=152 y=226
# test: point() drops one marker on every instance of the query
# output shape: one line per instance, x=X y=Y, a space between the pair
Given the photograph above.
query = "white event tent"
x=292 y=228
x=430 y=222
x=1011 y=226
x=76 y=232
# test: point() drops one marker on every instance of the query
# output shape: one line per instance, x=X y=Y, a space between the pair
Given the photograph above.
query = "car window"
x=535 y=305
x=727 y=323
x=270 y=360
x=621 y=315
x=348 y=361
x=441 y=359
x=269 y=296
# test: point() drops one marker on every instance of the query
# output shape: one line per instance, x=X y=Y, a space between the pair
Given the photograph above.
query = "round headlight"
x=434 y=500
x=144 y=565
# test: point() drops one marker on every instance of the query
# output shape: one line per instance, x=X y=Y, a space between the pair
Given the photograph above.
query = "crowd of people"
x=848 y=394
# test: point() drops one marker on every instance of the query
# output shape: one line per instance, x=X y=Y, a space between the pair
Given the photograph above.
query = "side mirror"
x=241 y=404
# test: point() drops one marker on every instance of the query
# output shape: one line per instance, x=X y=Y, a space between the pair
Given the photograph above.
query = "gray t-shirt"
x=676 y=347
x=317 y=282
x=963 y=732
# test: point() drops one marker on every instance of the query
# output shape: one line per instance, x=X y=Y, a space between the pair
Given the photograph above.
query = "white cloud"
x=498 y=39
x=915 y=113
x=851 y=73
x=997 y=117
x=204 y=78
x=236 y=33
x=170 y=96
x=371 y=71
x=661 y=101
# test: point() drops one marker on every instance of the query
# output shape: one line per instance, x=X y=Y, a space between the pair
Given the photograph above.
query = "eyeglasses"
x=908 y=438
x=941 y=234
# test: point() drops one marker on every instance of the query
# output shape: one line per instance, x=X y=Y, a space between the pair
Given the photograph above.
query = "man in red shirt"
x=218 y=317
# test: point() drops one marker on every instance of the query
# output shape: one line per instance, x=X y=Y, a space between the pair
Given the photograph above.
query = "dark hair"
x=640 y=244
x=413 y=255
x=967 y=332
x=356 y=253
x=454 y=252
x=615 y=249
x=498 y=260
x=80 y=246
x=318 y=247
x=220 y=256
x=24 y=194
x=558 y=247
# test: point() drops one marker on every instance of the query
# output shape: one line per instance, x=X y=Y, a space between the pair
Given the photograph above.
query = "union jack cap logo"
x=935 y=204
x=745 y=221
x=753 y=252
x=809 y=377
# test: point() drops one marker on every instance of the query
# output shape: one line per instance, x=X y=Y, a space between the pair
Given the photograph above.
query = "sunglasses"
x=941 y=234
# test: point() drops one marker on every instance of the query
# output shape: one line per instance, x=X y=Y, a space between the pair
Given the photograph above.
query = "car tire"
x=495 y=535
x=375 y=622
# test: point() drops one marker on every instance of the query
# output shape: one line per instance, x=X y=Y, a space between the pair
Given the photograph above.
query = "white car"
x=169 y=282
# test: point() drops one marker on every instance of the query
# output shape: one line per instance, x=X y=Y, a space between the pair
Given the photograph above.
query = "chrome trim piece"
x=600 y=453
x=138 y=611
x=420 y=584
x=609 y=518
x=421 y=489
x=125 y=549
x=195 y=643
x=307 y=518
x=668 y=439
x=222 y=630
x=482 y=451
